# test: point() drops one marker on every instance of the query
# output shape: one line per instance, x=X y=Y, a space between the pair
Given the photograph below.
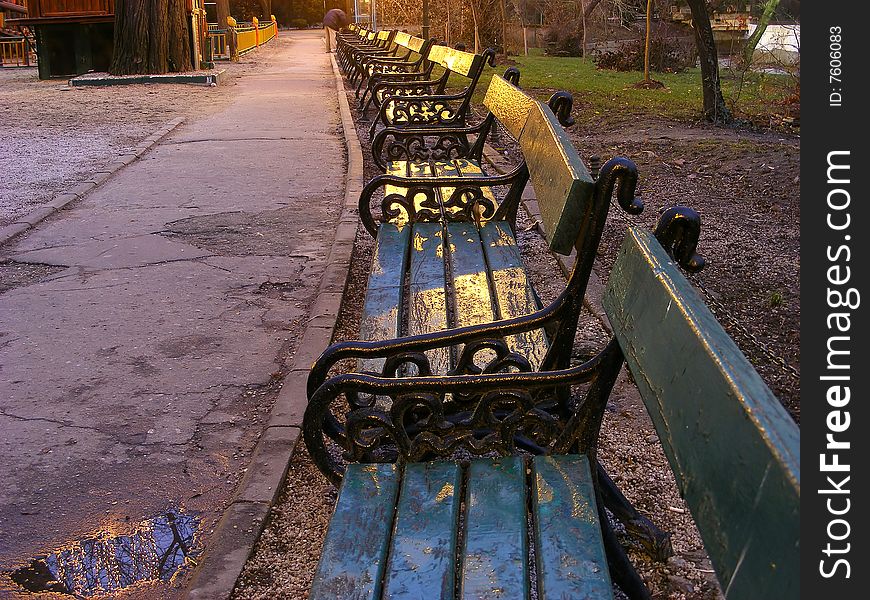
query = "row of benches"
x=465 y=439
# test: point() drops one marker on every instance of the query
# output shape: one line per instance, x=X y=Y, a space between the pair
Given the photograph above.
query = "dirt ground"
x=745 y=184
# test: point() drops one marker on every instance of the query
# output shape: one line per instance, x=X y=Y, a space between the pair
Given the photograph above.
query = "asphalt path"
x=138 y=368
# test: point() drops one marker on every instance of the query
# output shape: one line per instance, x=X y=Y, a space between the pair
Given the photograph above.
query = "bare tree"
x=714 y=103
x=763 y=21
x=151 y=36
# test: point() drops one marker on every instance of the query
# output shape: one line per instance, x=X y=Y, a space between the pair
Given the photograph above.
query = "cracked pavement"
x=139 y=366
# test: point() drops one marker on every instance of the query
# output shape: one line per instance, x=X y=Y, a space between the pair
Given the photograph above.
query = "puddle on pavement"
x=107 y=562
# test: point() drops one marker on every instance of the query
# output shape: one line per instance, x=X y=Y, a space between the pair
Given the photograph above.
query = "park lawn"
x=602 y=92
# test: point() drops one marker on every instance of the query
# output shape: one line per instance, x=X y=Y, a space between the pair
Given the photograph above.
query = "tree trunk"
x=763 y=20
x=589 y=8
x=714 y=103
x=223 y=11
x=266 y=9
x=151 y=36
x=476 y=31
x=646 y=43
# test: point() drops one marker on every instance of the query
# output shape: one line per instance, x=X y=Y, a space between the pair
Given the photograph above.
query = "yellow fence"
x=248 y=36
x=14 y=51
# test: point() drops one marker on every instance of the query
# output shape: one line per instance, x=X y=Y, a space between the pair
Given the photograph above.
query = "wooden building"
x=72 y=36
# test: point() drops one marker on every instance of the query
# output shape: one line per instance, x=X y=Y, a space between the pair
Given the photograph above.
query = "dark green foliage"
x=667 y=55
x=563 y=40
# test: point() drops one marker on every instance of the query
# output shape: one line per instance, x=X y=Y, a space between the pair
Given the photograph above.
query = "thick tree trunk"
x=151 y=36
x=714 y=103
x=223 y=11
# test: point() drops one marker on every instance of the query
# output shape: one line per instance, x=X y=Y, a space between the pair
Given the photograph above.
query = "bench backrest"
x=509 y=104
x=403 y=39
x=416 y=44
x=563 y=186
x=734 y=450
x=463 y=63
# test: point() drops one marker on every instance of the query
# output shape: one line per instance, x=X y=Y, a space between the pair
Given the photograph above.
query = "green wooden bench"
x=403 y=103
x=457 y=358
x=414 y=65
x=433 y=270
x=351 y=48
x=488 y=528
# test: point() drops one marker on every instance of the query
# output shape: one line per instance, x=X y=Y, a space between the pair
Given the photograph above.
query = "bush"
x=298 y=23
x=666 y=55
x=562 y=41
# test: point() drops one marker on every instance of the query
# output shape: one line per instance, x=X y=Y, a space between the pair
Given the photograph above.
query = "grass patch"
x=757 y=97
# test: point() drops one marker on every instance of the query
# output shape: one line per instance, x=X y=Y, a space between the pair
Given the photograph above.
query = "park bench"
x=442 y=264
x=377 y=69
x=415 y=103
x=478 y=528
x=458 y=356
x=350 y=49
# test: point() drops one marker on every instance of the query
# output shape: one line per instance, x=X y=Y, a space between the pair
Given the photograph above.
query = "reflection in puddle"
x=107 y=561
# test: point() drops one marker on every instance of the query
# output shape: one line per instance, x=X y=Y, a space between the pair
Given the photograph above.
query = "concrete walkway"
x=140 y=374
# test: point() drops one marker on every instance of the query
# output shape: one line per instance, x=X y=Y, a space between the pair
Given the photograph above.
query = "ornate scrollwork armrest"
x=503 y=411
x=423 y=143
x=418 y=110
x=418 y=198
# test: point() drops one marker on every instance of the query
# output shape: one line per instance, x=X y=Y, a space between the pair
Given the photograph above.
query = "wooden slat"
x=354 y=553
x=472 y=301
x=402 y=39
x=423 y=550
x=495 y=549
x=569 y=551
x=427 y=298
x=416 y=44
x=734 y=450
x=562 y=184
x=380 y=318
x=512 y=289
x=509 y=104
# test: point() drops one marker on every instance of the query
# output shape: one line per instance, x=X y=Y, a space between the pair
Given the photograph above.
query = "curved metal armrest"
x=399 y=100
x=404 y=347
x=423 y=131
x=425 y=98
x=389 y=60
x=428 y=185
x=403 y=84
x=394 y=79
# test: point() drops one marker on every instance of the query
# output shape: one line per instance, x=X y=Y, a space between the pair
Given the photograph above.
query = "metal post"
x=425 y=19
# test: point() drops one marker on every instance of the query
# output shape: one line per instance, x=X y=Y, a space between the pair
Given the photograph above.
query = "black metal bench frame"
x=470 y=395
x=419 y=103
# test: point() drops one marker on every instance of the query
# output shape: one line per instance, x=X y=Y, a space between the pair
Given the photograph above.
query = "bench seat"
x=446 y=275
x=422 y=532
